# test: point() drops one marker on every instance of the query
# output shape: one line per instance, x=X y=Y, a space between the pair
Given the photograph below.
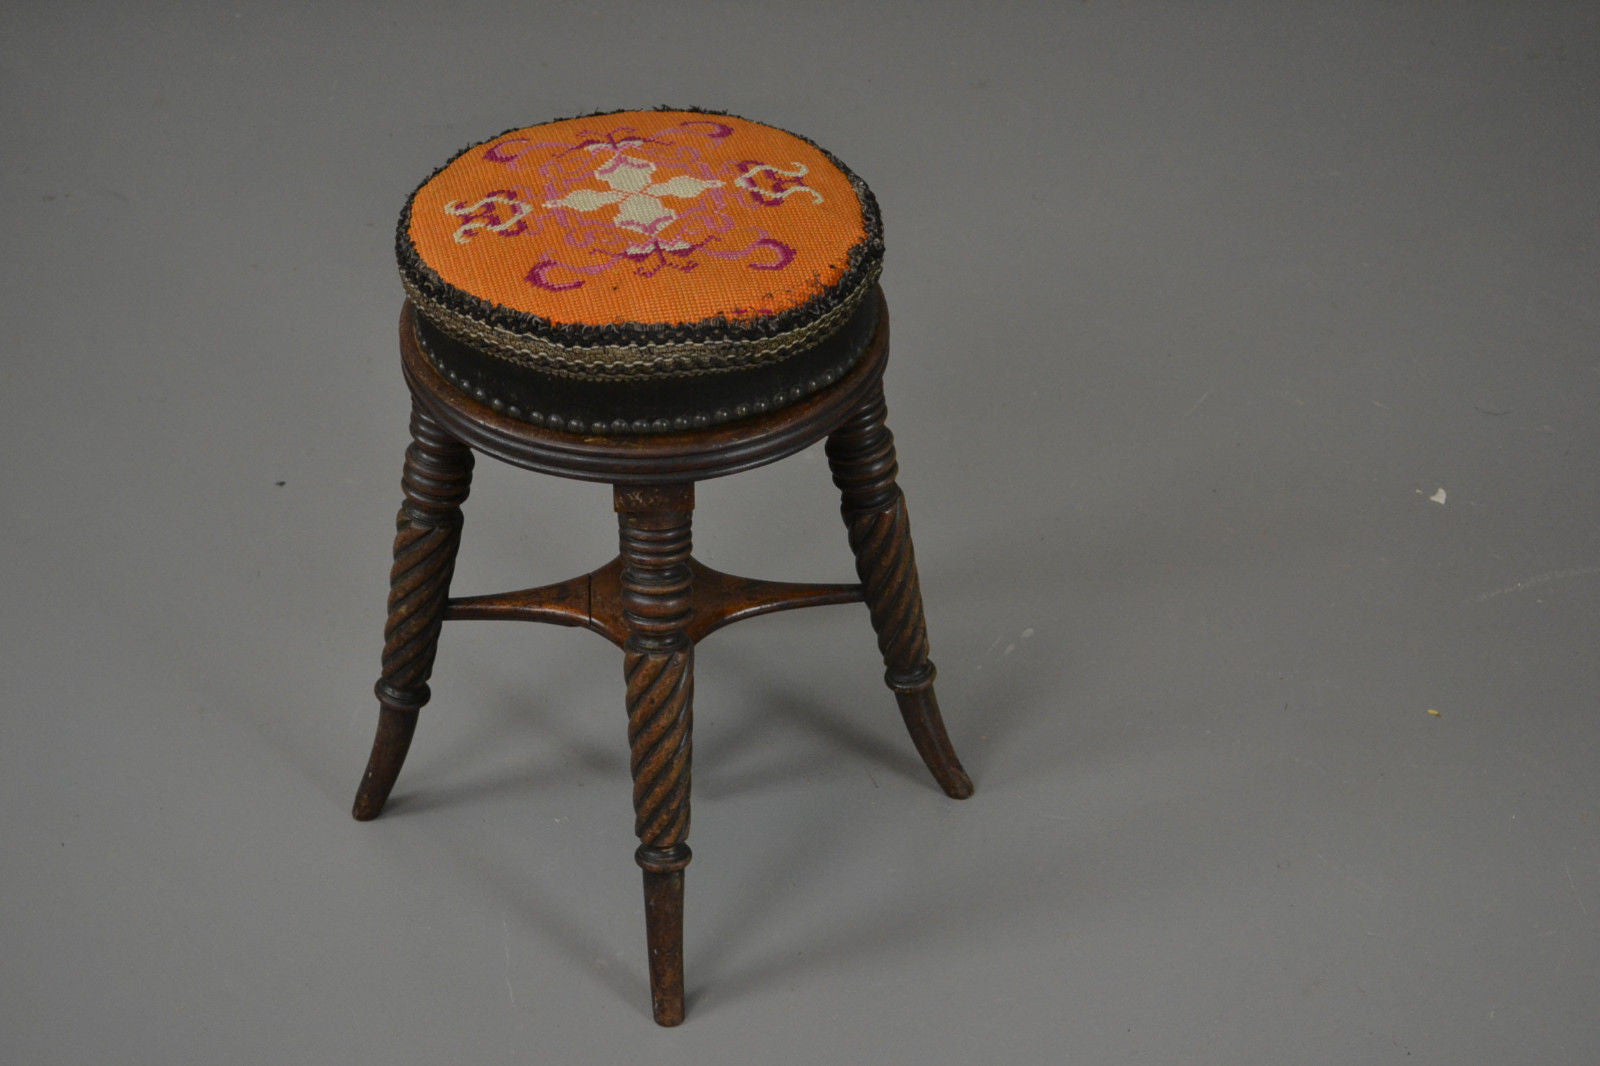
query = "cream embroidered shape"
x=636 y=194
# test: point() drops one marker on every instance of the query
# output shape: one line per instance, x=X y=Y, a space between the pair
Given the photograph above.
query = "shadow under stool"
x=646 y=299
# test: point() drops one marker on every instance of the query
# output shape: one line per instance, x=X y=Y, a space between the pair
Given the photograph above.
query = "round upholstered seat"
x=642 y=271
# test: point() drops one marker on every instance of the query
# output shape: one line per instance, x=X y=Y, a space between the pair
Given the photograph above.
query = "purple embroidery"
x=657 y=251
x=624 y=138
x=540 y=274
x=785 y=254
x=718 y=130
x=537 y=276
x=503 y=153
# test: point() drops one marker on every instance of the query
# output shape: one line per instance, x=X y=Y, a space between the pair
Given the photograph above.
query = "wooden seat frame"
x=654 y=600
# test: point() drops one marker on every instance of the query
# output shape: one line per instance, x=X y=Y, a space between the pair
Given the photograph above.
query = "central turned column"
x=654 y=524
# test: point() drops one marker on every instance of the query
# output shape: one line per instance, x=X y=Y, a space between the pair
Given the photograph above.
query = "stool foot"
x=658 y=666
x=920 y=709
x=862 y=457
x=437 y=477
x=396 y=725
x=663 y=921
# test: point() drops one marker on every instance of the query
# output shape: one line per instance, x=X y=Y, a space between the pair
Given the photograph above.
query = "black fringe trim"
x=651 y=405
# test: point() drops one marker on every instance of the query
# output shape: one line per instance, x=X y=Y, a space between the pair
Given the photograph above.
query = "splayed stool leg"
x=438 y=475
x=862 y=458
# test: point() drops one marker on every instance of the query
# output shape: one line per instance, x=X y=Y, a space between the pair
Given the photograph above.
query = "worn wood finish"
x=658 y=664
x=862 y=458
x=654 y=600
x=437 y=477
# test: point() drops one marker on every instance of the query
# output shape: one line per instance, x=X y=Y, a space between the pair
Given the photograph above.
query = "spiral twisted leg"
x=861 y=456
x=658 y=663
x=438 y=474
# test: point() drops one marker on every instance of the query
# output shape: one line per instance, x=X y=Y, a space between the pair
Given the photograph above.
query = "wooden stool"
x=648 y=299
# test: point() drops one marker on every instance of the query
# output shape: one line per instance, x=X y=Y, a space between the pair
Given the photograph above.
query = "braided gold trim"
x=610 y=362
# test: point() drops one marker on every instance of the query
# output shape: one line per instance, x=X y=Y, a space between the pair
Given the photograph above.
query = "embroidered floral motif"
x=779 y=184
x=485 y=214
x=759 y=219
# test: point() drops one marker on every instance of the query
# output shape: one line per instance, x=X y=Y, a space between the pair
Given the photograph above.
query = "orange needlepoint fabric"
x=639 y=229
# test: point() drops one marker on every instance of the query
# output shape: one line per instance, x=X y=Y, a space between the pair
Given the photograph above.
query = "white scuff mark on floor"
x=1438 y=496
x=1537 y=580
x=1027 y=634
x=505 y=944
x=1196 y=405
x=1575 y=893
x=1009 y=649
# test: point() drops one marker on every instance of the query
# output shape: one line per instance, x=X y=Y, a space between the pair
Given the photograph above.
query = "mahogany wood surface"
x=655 y=601
x=593 y=601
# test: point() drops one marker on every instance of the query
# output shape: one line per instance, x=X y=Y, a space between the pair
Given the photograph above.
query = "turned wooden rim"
x=645 y=459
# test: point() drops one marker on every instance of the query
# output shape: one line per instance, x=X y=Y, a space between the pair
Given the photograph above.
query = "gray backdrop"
x=1245 y=379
